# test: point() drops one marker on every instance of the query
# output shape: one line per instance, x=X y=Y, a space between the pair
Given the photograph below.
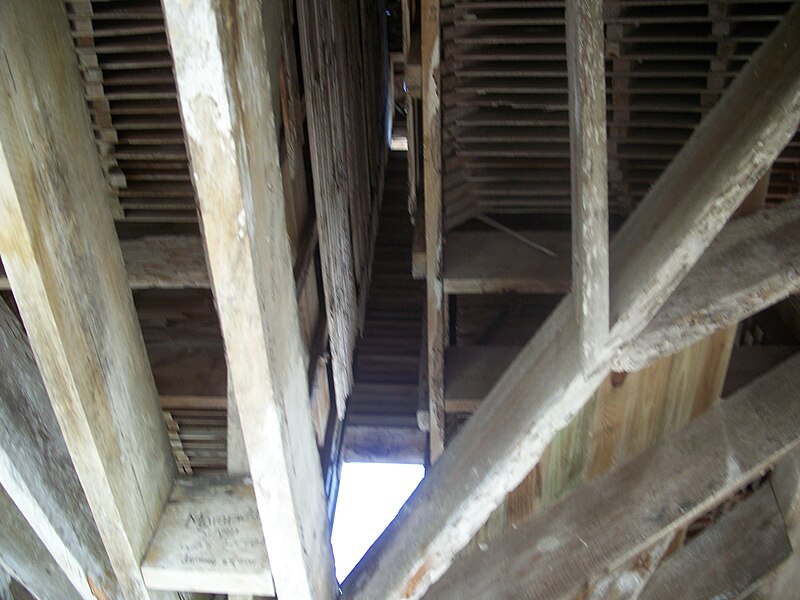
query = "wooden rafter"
x=225 y=80
x=436 y=310
x=747 y=543
x=543 y=389
x=37 y=475
x=63 y=258
x=573 y=545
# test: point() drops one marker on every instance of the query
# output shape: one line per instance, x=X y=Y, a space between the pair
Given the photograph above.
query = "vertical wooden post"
x=225 y=79
x=589 y=172
x=64 y=262
x=434 y=233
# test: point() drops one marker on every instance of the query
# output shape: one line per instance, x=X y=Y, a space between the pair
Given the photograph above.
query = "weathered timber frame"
x=630 y=304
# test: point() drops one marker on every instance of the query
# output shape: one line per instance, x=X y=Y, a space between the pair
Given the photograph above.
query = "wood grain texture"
x=159 y=262
x=36 y=470
x=436 y=311
x=209 y=540
x=63 y=258
x=589 y=171
x=487 y=262
x=728 y=559
x=754 y=263
x=321 y=54
x=609 y=521
x=543 y=390
x=225 y=80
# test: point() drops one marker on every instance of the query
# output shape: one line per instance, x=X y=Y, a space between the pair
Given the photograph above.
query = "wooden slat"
x=589 y=171
x=489 y=262
x=543 y=389
x=608 y=522
x=37 y=474
x=238 y=181
x=209 y=540
x=728 y=559
x=62 y=256
x=436 y=311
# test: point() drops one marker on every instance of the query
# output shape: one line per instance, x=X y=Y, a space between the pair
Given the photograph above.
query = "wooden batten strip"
x=225 y=78
x=63 y=258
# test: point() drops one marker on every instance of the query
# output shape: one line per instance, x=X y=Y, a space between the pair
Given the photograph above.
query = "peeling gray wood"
x=545 y=387
x=63 y=259
x=730 y=558
x=589 y=171
x=606 y=523
x=209 y=540
x=225 y=79
x=36 y=471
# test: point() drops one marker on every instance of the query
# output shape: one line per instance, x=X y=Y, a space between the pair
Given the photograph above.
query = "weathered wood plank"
x=36 y=470
x=25 y=558
x=609 y=521
x=224 y=79
x=209 y=540
x=728 y=559
x=589 y=171
x=754 y=263
x=63 y=258
x=542 y=390
x=320 y=51
x=493 y=262
x=159 y=262
x=785 y=482
x=436 y=302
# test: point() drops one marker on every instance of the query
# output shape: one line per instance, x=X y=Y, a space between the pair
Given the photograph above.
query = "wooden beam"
x=37 y=473
x=27 y=560
x=785 y=483
x=728 y=559
x=754 y=263
x=608 y=522
x=589 y=171
x=434 y=243
x=210 y=540
x=63 y=259
x=159 y=262
x=224 y=79
x=505 y=264
x=543 y=388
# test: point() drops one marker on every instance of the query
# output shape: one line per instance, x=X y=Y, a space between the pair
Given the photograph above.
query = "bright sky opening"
x=370 y=495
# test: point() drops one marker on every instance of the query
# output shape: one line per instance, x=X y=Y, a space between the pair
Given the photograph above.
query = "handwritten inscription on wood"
x=209 y=540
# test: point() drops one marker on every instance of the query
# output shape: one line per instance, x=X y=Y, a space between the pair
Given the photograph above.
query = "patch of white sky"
x=370 y=495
